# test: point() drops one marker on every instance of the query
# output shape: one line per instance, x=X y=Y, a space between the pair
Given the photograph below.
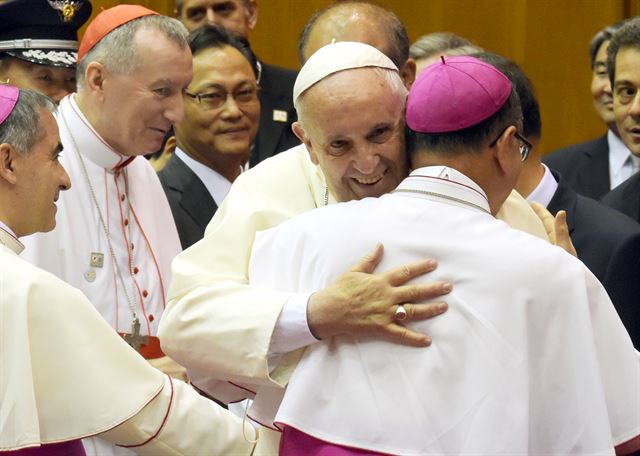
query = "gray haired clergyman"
x=116 y=236
x=22 y=128
x=65 y=373
x=117 y=54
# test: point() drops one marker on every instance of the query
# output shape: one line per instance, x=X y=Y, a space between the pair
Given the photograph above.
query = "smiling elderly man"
x=214 y=139
x=517 y=368
x=116 y=237
x=354 y=148
x=65 y=373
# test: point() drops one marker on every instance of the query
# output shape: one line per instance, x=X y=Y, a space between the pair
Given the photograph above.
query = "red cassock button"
x=136 y=270
x=151 y=318
x=145 y=293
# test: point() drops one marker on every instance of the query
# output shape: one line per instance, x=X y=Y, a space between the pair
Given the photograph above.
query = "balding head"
x=363 y=22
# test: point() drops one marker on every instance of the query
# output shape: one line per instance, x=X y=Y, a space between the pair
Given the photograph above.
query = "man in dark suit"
x=214 y=138
x=276 y=83
x=593 y=168
x=607 y=242
x=623 y=65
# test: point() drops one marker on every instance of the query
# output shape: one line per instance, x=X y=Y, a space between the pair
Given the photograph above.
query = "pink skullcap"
x=107 y=21
x=8 y=99
x=455 y=94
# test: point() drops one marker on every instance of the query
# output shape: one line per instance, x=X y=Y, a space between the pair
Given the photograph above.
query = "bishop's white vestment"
x=66 y=375
x=215 y=323
x=530 y=358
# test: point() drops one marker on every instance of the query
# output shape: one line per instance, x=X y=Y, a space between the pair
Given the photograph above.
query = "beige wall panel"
x=548 y=38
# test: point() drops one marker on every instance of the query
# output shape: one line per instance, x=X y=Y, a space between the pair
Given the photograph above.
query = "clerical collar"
x=9 y=239
x=87 y=139
x=444 y=183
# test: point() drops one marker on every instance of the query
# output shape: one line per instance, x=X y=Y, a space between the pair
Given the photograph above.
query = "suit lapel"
x=593 y=170
x=274 y=96
x=564 y=199
x=197 y=202
x=195 y=199
x=631 y=197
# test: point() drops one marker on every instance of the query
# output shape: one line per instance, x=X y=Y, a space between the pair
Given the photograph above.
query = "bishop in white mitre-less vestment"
x=222 y=328
x=115 y=236
x=531 y=357
x=66 y=375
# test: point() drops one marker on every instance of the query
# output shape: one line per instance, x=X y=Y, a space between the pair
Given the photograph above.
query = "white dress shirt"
x=217 y=185
x=622 y=163
x=545 y=190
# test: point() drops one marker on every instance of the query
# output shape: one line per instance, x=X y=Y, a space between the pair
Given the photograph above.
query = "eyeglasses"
x=216 y=99
x=525 y=146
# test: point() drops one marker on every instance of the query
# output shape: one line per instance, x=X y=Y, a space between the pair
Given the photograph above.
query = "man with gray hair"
x=116 y=236
x=428 y=48
x=65 y=373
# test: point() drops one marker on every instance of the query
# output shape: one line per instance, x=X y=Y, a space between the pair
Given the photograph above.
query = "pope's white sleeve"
x=178 y=421
x=292 y=329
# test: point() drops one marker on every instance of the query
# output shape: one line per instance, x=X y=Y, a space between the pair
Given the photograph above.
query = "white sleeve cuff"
x=291 y=331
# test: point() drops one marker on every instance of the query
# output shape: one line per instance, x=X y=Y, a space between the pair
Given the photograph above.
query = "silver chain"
x=440 y=195
x=130 y=300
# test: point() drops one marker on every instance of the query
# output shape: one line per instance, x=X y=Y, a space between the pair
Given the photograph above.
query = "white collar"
x=87 y=139
x=9 y=239
x=444 y=183
x=217 y=185
x=618 y=153
x=546 y=188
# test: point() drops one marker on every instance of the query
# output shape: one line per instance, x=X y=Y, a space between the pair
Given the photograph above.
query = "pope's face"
x=207 y=132
x=42 y=178
x=237 y=16
x=139 y=108
x=626 y=97
x=54 y=82
x=353 y=128
x=601 y=87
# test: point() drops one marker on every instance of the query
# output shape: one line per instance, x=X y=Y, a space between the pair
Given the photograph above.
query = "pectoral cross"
x=135 y=339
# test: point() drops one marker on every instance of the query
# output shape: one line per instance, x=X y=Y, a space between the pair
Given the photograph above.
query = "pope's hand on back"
x=360 y=302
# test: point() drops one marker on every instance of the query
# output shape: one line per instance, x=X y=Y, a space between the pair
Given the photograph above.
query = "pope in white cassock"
x=64 y=373
x=531 y=357
x=116 y=236
x=229 y=332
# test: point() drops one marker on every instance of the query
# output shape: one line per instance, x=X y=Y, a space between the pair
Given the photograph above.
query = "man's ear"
x=504 y=150
x=252 y=14
x=408 y=73
x=302 y=136
x=8 y=157
x=94 y=77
